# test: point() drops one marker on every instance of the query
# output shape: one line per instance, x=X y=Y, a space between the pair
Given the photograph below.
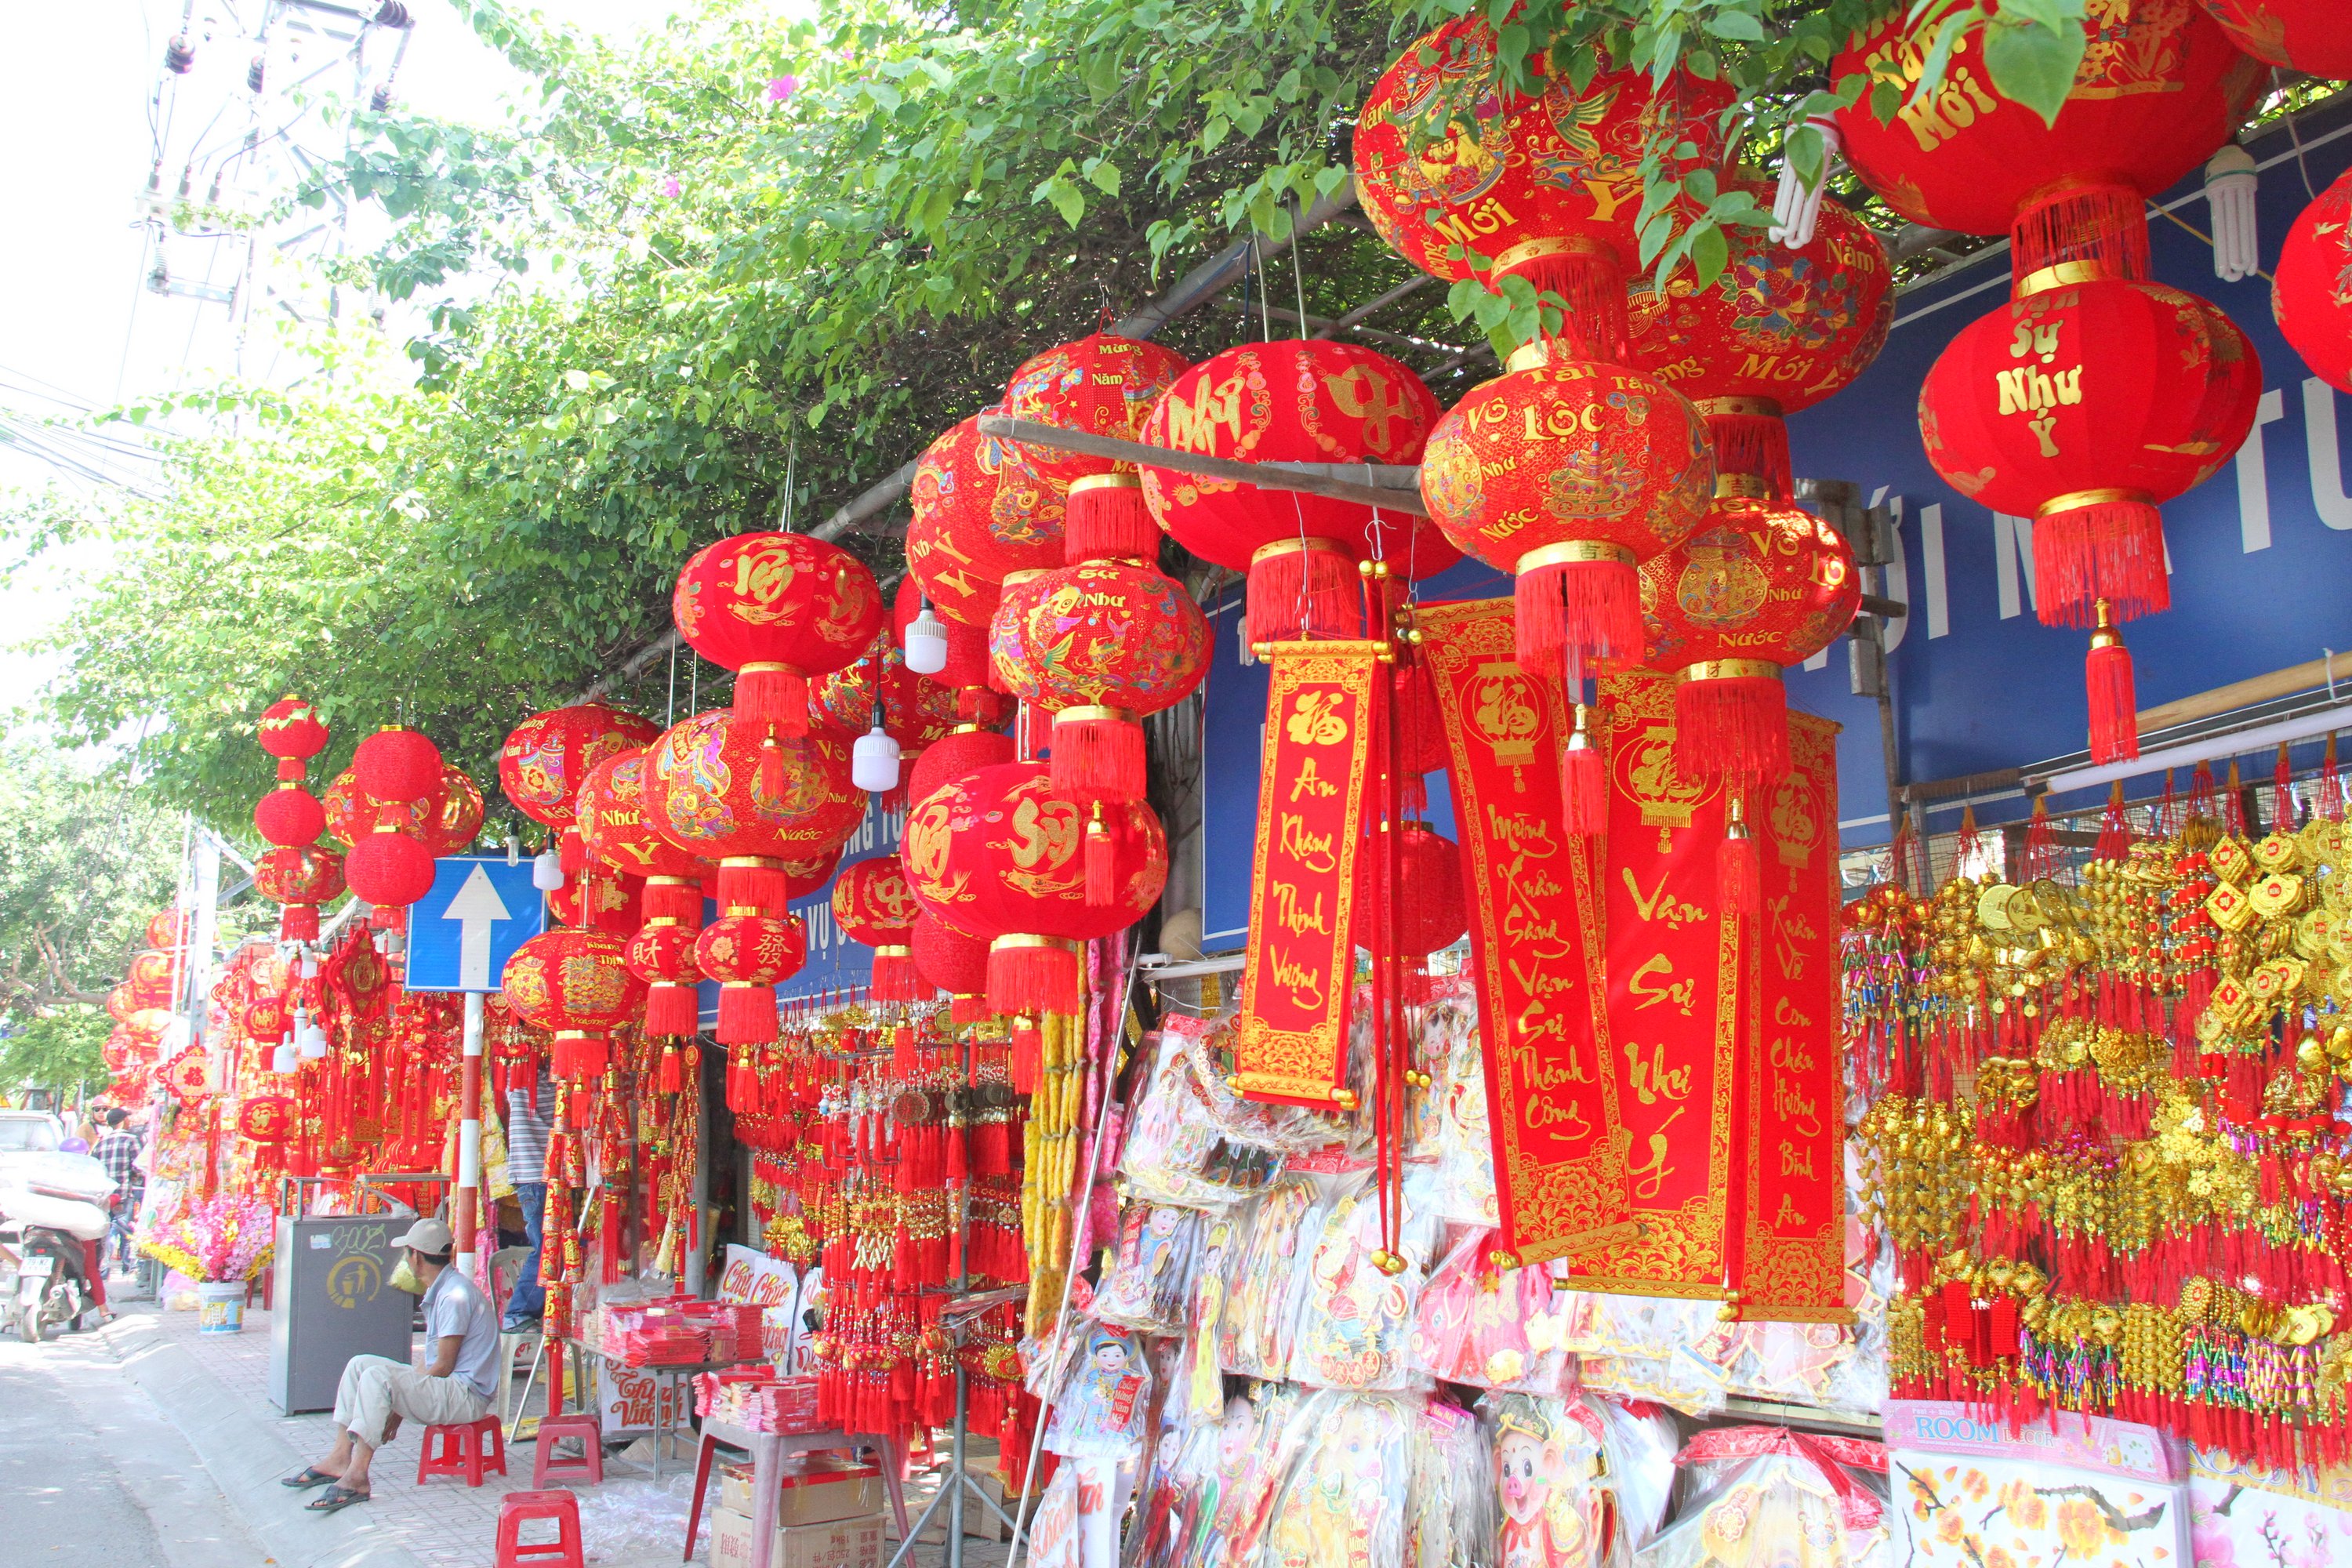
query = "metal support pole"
x=467 y=1203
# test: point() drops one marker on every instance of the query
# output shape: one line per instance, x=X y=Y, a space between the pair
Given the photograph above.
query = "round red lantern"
x=979 y=513
x=777 y=609
x=914 y=711
x=1009 y=624
x=716 y=788
x=872 y=904
x=268 y=1118
x=167 y=928
x=121 y=1003
x=397 y=764
x=1104 y=385
x=300 y=878
x=1431 y=913
x=146 y=1025
x=610 y=815
x=802 y=878
x=149 y=978
x=289 y=815
x=549 y=756
x=749 y=953
x=952 y=961
x=292 y=731
x=352 y=814
x=390 y=868
x=2160 y=88
x=1760 y=586
x=267 y=1017
x=1000 y=854
x=661 y=954
x=1104 y=643
x=966 y=750
x=2310 y=293
x=458 y=810
x=577 y=984
x=2307 y=35
x=1570 y=476
x=1302 y=401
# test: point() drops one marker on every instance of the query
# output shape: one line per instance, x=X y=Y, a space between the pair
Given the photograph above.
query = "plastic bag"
x=1151 y=1284
x=1258 y=1444
x=1643 y=1440
x=1551 y=1483
x=1343 y=1503
x=1776 y=1509
x=1644 y=1348
x=1489 y=1327
x=1104 y=1406
x=1452 y=1129
x=1355 y=1322
x=1269 y=1279
x=1452 y=1522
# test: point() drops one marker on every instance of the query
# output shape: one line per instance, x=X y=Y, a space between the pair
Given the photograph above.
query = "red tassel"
x=2080 y=221
x=896 y=979
x=1583 y=781
x=970 y=1008
x=770 y=780
x=1301 y=588
x=2114 y=707
x=902 y=1050
x=671 y=1009
x=1101 y=889
x=759 y=885
x=1097 y=755
x=1107 y=518
x=2110 y=550
x=2115 y=828
x=1586 y=612
x=1749 y=443
x=776 y=693
x=571 y=851
x=673 y=899
x=671 y=1080
x=1739 y=872
x=1734 y=725
x=747 y=1015
x=1024 y=977
x=1027 y=1057
x=1588 y=322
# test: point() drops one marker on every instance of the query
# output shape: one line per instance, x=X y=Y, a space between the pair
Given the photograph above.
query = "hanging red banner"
x=1535 y=942
x=1291 y=1043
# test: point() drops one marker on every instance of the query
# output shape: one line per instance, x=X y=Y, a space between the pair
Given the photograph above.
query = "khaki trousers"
x=376 y=1388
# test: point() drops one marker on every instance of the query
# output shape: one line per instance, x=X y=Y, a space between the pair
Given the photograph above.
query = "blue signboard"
x=461 y=933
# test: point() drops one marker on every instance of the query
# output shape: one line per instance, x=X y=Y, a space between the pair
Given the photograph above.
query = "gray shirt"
x=527 y=1132
x=456 y=1305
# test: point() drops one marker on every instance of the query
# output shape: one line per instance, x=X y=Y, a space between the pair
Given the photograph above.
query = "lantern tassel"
x=1032 y=975
x=970 y=1008
x=671 y=1079
x=1586 y=611
x=2080 y=221
x=1740 y=870
x=775 y=692
x=896 y=979
x=1098 y=755
x=673 y=899
x=1302 y=588
x=670 y=1009
x=1026 y=1061
x=1106 y=519
x=770 y=781
x=758 y=885
x=1591 y=284
x=747 y=1013
x=1750 y=442
x=1100 y=891
x=1736 y=724
x=2114 y=707
x=1583 y=781
x=2110 y=548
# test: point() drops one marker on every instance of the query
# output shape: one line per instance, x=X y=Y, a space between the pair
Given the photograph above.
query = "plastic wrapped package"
x=1178 y=1490
x=1355 y=1322
x=1177 y=1150
x=1258 y=1446
x=1267 y=1279
x=1103 y=1408
x=1490 y=1326
x=1770 y=1497
x=1643 y=1440
x=1452 y=1129
x=1343 y=1503
x=1552 y=1486
x=1151 y=1284
x=1644 y=1348
x=1202 y=1384
x=1452 y=1522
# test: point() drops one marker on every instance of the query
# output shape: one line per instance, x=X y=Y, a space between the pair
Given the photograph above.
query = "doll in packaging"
x=1551 y=1484
x=1354 y=1325
x=1450 y=1520
x=1103 y=1406
x=1269 y=1278
x=1343 y=1505
x=1254 y=1461
x=1150 y=1286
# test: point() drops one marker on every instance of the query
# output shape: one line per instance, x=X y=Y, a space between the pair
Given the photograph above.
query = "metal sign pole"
x=469 y=1135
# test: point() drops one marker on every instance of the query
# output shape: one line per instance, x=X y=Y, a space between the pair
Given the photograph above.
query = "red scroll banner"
x=1534 y=943
x=1291 y=1044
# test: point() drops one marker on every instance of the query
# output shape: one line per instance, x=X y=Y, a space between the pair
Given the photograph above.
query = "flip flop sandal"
x=310 y=1477
x=335 y=1499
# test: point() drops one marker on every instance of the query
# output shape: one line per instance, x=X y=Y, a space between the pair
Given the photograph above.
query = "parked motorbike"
x=50 y=1205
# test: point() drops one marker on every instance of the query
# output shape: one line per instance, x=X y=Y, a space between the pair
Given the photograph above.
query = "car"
x=30 y=1133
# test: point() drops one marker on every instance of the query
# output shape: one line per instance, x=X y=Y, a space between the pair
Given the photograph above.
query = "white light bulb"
x=282 y=1059
x=1796 y=206
x=927 y=644
x=514 y=850
x=2229 y=186
x=312 y=1040
x=547 y=871
x=873 y=762
x=310 y=965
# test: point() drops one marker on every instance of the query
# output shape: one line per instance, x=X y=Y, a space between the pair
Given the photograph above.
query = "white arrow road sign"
x=476 y=908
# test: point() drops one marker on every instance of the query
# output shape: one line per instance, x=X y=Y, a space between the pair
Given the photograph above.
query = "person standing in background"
x=530 y=1113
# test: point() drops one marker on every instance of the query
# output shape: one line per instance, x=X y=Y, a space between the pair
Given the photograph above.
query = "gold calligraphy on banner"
x=1291 y=1042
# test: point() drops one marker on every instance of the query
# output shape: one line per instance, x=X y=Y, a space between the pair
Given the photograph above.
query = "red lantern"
x=1000 y=854
x=966 y=672
x=146 y=1025
x=777 y=609
x=2311 y=294
x=916 y=711
x=447 y=819
x=149 y=978
x=121 y=1003
x=610 y=815
x=1295 y=401
x=289 y=815
x=1757 y=588
x=1431 y=914
x=872 y=904
x=1104 y=385
x=716 y=789
x=952 y=961
x=1570 y=476
x=2307 y=35
x=2085 y=405
x=292 y=731
x=965 y=751
x=301 y=878
x=979 y=513
x=2160 y=88
x=268 y=1118
x=549 y=756
x=600 y=901
x=390 y=868
x=1104 y=643
x=802 y=878
x=396 y=765
x=1008 y=625
x=458 y=810
x=267 y=1017
x=749 y=953
x=167 y=928
x=574 y=983
x=662 y=955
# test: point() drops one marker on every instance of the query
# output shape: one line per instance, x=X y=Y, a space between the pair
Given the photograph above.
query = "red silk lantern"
x=149 y=979
x=749 y=953
x=965 y=751
x=778 y=609
x=873 y=904
x=269 y=1119
x=265 y=1018
x=1008 y=626
x=709 y=789
x=2085 y=405
x=916 y=711
x=1569 y=476
x=292 y=731
x=610 y=815
x=300 y=878
x=1305 y=402
x=1000 y=854
x=1760 y=586
x=167 y=928
x=577 y=984
x=1104 y=643
x=1104 y=385
x=289 y=815
x=600 y=901
x=1432 y=912
x=390 y=868
x=147 y=1025
x=661 y=954
x=802 y=878
x=952 y=961
x=396 y=765
x=458 y=810
x=549 y=756
x=121 y=1003
x=2302 y=35
x=2159 y=90
x=980 y=513
x=2311 y=294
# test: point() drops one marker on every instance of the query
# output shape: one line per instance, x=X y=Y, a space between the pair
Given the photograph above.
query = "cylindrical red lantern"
x=1104 y=385
x=778 y=609
x=1000 y=854
x=610 y=815
x=549 y=756
x=1300 y=401
x=2310 y=297
x=749 y=953
x=1105 y=642
x=872 y=904
x=397 y=764
x=2308 y=35
x=661 y=954
x=952 y=961
x=149 y=978
x=300 y=878
x=577 y=985
x=979 y=513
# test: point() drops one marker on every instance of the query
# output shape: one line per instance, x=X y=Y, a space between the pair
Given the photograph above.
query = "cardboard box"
x=815 y=1489
x=836 y=1543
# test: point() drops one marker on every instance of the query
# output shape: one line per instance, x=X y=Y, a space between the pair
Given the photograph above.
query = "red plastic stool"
x=470 y=1448
x=589 y=1467
x=520 y=1508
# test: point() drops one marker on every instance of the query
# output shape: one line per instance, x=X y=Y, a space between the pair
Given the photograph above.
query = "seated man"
x=462 y=1334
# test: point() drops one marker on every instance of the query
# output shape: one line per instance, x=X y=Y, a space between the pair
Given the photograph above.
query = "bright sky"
x=77 y=319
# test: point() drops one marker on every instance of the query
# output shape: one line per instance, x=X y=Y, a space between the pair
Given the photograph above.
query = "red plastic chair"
x=590 y=1466
x=519 y=1509
x=470 y=1448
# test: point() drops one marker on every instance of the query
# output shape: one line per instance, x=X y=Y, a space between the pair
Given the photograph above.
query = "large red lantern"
x=964 y=750
x=1001 y=856
x=2308 y=35
x=1102 y=385
x=980 y=513
x=458 y=811
x=778 y=609
x=1301 y=401
x=610 y=815
x=1105 y=642
x=149 y=978
x=300 y=878
x=289 y=815
x=1432 y=913
x=1008 y=625
x=749 y=953
x=2085 y=405
x=1760 y=586
x=599 y=899
x=396 y=765
x=952 y=961
x=802 y=878
x=1569 y=476
x=577 y=984
x=2310 y=293
x=914 y=710
x=872 y=904
x=268 y=1119
x=707 y=788
x=2160 y=88
x=390 y=868
x=167 y=928
x=549 y=756
x=292 y=731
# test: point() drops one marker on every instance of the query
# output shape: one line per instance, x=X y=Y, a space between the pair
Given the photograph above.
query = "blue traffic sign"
x=461 y=934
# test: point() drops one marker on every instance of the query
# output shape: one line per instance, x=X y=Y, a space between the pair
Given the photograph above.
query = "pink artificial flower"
x=781 y=89
x=669 y=184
